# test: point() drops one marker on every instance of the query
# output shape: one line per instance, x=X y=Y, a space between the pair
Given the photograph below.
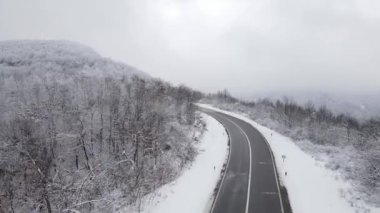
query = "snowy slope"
x=311 y=187
x=63 y=58
x=193 y=191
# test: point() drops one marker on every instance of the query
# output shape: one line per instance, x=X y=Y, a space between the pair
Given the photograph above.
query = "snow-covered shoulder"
x=311 y=186
x=193 y=190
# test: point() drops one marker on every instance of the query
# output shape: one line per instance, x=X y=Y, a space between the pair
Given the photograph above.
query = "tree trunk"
x=48 y=205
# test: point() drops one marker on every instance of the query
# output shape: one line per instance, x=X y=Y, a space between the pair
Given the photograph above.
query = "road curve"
x=250 y=182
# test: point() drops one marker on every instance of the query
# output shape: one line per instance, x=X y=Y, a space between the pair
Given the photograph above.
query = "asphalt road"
x=250 y=182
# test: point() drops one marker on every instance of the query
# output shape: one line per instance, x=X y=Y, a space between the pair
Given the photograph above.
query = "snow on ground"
x=312 y=188
x=193 y=191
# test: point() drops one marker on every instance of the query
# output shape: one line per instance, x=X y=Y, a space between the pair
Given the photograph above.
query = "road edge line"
x=227 y=164
x=274 y=167
x=250 y=164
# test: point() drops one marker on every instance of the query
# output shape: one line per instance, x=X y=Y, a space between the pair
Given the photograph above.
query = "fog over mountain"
x=244 y=46
x=362 y=106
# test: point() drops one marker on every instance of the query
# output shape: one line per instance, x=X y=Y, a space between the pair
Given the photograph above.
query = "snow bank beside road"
x=193 y=191
x=311 y=187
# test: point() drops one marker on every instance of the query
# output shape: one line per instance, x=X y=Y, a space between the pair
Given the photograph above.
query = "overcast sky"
x=247 y=46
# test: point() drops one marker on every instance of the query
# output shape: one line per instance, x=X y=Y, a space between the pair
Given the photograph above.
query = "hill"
x=82 y=133
x=62 y=58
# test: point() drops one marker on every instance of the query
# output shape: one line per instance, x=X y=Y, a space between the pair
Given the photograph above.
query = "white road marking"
x=263 y=163
x=269 y=193
x=250 y=164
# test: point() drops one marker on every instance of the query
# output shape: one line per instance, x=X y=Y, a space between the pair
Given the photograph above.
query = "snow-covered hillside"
x=60 y=58
x=81 y=133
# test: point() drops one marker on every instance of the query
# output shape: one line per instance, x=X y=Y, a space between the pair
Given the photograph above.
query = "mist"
x=249 y=47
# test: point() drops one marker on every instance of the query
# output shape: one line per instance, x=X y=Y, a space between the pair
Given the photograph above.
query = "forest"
x=81 y=133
